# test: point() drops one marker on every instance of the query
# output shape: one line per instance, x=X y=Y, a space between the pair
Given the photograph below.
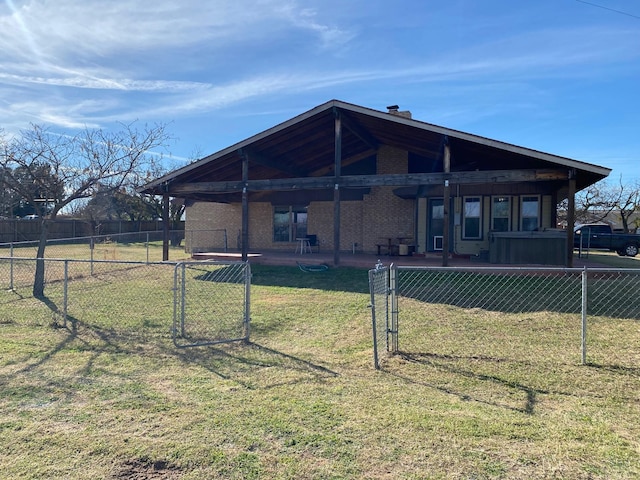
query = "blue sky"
x=560 y=76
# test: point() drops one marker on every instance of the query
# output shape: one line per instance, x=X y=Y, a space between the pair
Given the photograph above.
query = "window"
x=472 y=211
x=501 y=214
x=529 y=213
x=289 y=223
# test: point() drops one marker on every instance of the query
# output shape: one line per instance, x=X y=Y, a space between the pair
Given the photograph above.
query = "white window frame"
x=465 y=217
x=493 y=212
x=523 y=217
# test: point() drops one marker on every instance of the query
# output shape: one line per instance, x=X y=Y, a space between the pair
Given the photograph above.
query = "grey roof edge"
x=568 y=162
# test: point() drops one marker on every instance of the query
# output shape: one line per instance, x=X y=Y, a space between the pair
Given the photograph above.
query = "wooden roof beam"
x=390 y=180
x=325 y=170
x=362 y=133
x=264 y=161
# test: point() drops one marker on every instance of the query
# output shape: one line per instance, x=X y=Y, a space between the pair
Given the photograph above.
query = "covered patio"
x=365 y=260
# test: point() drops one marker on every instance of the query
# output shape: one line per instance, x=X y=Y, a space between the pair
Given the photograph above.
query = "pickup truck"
x=602 y=237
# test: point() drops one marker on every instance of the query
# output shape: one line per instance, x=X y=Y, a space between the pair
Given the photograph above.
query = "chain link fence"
x=189 y=303
x=478 y=312
x=380 y=312
x=134 y=246
x=212 y=303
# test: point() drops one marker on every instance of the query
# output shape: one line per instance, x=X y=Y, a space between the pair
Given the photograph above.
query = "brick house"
x=365 y=180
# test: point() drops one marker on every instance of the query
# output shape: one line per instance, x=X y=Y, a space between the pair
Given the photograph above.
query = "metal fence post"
x=387 y=309
x=11 y=266
x=247 y=301
x=372 y=305
x=91 y=248
x=584 y=316
x=392 y=328
x=175 y=302
x=183 y=296
x=65 y=295
x=147 y=247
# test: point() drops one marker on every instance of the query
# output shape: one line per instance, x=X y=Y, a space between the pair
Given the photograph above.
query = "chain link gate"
x=211 y=303
x=558 y=304
x=384 y=310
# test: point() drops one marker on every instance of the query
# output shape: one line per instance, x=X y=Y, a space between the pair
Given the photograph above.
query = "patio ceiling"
x=290 y=155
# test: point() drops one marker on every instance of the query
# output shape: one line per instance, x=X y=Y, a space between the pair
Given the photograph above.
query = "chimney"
x=395 y=110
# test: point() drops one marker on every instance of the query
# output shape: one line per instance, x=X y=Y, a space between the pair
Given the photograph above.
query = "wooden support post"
x=571 y=216
x=336 y=189
x=446 y=206
x=245 y=207
x=165 y=227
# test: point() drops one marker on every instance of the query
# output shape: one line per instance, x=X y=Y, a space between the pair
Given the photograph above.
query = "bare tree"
x=76 y=166
x=595 y=203
x=604 y=202
x=628 y=205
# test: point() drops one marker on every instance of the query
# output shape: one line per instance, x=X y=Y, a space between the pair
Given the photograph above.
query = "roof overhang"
x=299 y=154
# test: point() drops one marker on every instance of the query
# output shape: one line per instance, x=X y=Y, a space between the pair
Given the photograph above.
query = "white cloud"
x=54 y=30
x=332 y=36
x=102 y=81
x=136 y=45
x=79 y=63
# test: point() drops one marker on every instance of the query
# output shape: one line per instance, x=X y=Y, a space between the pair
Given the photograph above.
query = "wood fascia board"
x=390 y=180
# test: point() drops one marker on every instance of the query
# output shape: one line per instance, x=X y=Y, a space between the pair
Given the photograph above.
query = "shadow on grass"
x=79 y=336
x=439 y=362
x=253 y=366
x=249 y=366
x=345 y=279
x=618 y=369
x=295 y=360
x=60 y=346
x=109 y=339
x=446 y=364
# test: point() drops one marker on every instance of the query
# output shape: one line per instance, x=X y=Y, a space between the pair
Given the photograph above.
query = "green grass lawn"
x=109 y=251
x=611 y=259
x=473 y=394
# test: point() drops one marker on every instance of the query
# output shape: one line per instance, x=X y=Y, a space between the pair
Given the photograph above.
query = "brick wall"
x=204 y=217
x=386 y=215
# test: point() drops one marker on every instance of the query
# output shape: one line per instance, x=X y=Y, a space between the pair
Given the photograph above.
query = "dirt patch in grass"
x=140 y=469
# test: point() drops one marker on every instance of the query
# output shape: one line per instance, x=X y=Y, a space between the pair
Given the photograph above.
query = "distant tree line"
x=26 y=188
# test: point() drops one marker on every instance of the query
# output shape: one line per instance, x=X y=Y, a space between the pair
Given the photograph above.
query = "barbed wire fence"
x=499 y=311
